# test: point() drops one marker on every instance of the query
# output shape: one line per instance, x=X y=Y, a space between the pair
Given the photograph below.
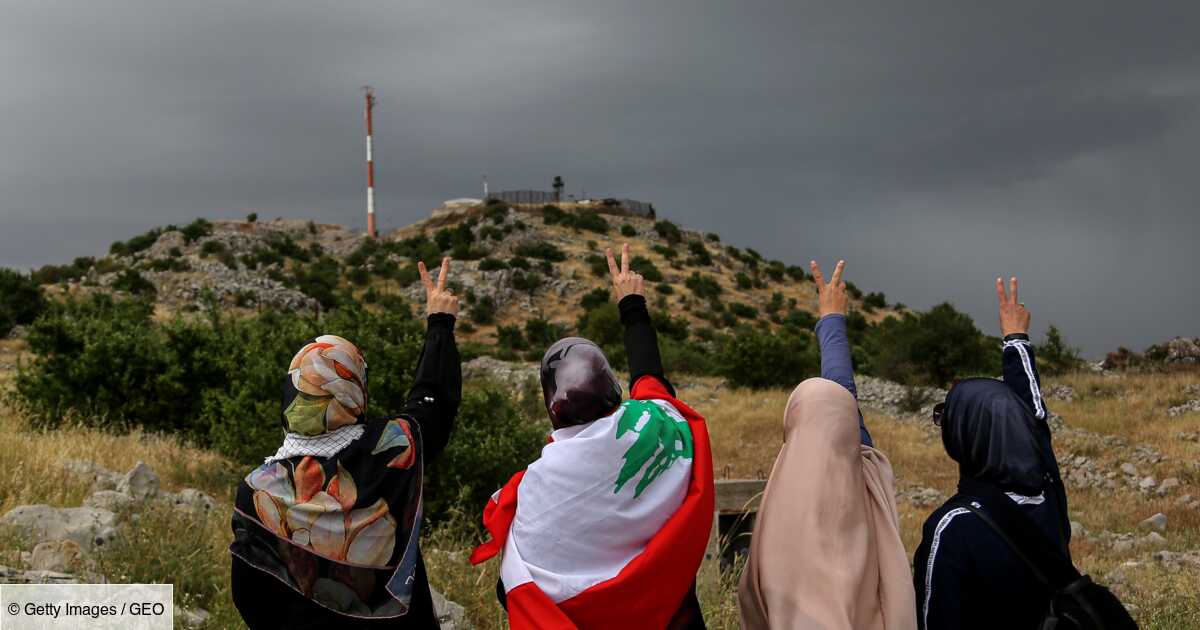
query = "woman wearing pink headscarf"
x=826 y=551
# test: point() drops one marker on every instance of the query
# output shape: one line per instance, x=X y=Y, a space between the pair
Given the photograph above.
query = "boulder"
x=1168 y=485
x=1158 y=523
x=110 y=500
x=190 y=500
x=98 y=476
x=9 y=575
x=1147 y=483
x=191 y=617
x=451 y=616
x=56 y=555
x=141 y=482
x=86 y=526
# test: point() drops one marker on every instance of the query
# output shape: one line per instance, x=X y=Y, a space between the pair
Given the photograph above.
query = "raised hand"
x=438 y=299
x=625 y=282
x=831 y=297
x=1014 y=318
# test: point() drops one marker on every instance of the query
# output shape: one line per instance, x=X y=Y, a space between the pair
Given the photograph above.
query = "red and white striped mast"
x=370 y=97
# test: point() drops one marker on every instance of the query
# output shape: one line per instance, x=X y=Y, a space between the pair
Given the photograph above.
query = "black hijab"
x=995 y=438
x=578 y=385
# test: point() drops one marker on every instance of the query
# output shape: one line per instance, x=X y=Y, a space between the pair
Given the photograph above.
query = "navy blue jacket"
x=965 y=575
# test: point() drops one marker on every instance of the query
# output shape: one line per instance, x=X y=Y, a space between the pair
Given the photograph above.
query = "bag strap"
x=1051 y=567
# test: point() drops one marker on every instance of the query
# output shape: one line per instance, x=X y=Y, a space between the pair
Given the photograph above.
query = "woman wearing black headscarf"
x=326 y=531
x=966 y=576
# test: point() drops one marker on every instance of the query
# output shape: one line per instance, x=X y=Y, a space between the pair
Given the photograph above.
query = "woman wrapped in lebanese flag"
x=608 y=527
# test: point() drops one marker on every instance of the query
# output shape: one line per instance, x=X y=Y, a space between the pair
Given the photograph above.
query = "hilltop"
x=513 y=264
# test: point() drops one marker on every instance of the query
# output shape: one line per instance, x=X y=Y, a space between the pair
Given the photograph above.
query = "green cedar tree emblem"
x=661 y=439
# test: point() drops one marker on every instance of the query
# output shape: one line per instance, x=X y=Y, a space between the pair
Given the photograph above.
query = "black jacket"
x=265 y=603
x=965 y=575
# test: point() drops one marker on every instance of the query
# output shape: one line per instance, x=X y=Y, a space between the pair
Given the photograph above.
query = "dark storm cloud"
x=933 y=145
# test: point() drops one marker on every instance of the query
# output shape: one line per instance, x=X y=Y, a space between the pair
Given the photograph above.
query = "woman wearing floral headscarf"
x=326 y=531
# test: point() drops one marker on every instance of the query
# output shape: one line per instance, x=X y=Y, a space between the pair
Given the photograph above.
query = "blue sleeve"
x=836 y=364
x=1020 y=373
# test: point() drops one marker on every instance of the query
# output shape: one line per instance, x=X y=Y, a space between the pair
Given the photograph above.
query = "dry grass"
x=746 y=431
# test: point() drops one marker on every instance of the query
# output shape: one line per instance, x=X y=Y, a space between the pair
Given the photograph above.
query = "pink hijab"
x=826 y=552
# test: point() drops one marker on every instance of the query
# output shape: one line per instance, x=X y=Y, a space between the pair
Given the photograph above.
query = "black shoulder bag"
x=1076 y=602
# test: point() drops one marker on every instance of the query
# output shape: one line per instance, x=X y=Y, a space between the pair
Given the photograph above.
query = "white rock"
x=88 y=527
x=1153 y=539
x=191 y=500
x=140 y=482
x=1158 y=523
x=55 y=555
x=1077 y=530
x=110 y=500
x=1129 y=469
x=191 y=617
x=1167 y=485
x=1147 y=483
x=100 y=477
x=451 y=616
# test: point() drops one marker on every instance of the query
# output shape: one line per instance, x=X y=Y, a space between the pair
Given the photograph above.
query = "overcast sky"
x=934 y=146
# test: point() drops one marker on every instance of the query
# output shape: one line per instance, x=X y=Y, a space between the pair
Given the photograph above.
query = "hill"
x=513 y=264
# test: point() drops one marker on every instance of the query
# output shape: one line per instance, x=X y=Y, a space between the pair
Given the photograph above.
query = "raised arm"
x=641 y=341
x=437 y=385
x=836 y=363
x=1019 y=366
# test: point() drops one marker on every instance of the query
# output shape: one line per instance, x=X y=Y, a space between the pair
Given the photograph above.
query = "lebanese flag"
x=608 y=527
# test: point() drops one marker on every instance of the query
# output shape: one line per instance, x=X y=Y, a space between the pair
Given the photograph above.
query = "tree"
x=1055 y=355
x=21 y=300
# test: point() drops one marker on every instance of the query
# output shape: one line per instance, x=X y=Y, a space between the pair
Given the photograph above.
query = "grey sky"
x=932 y=145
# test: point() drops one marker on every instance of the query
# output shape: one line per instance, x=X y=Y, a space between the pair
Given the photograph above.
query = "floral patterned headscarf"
x=340 y=528
x=325 y=388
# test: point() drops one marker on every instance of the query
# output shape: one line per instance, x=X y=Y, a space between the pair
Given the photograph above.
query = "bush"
x=744 y=311
x=796 y=273
x=492 y=440
x=1054 y=354
x=664 y=289
x=594 y=298
x=854 y=291
x=21 y=300
x=705 y=287
x=511 y=338
x=668 y=231
x=699 y=254
x=930 y=348
x=800 y=320
x=492 y=264
x=215 y=381
x=541 y=333
x=252 y=217
x=665 y=252
x=553 y=215
x=644 y=266
x=874 y=300
x=196 y=230
x=483 y=311
x=775 y=271
x=763 y=359
x=628 y=230
x=592 y=222
x=541 y=250
x=712 y=237
x=319 y=281
x=134 y=283
x=526 y=281
x=743 y=281
x=603 y=326
x=53 y=274
x=597 y=264
x=211 y=247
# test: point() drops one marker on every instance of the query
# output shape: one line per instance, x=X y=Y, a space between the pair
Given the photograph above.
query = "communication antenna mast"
x=370 y=104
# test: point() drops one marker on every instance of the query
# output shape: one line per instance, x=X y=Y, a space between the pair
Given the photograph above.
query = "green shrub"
x=597 y=264
x=854 y=291
x=668 y=231
x=594 y=298
x=526 y=281
x=358 y=276
x=252 y=217
x=553 y=215
x=760 y=359
x=800 y=320
x=53 y=274
x=699 y=254
x=21 y=300
x=603 y=326
x=196 y=230
x=492 y=440
x=744 y=311
x=510 y=337
x=496 y=212
x=492 y=264
x=592 y=222
x=518 y=262
x=132 y=282
x=874 y=300
x=930 y=348
x=743 y=281
x=665 y=252
x=1055 y=356
x=483 y=311
x=541 y=333
x=541 y=250
x=775 y=304
x=167 y=264
x=775 y=271
x=628 y=230
x=664 y=289
x=136 y=244
x=644 y=266
x=211 y=247
x=318 y=281
x=705 y=287
x=712 y=237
